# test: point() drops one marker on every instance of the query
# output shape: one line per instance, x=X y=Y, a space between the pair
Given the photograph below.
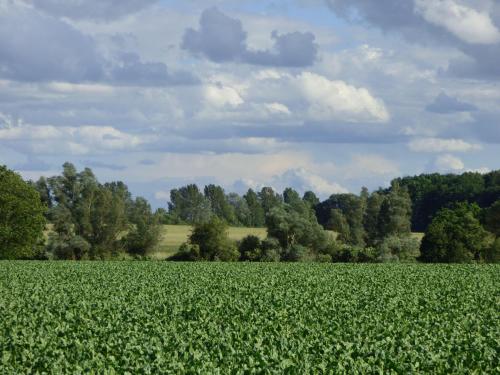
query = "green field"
x=162 y=317
x=174 y=235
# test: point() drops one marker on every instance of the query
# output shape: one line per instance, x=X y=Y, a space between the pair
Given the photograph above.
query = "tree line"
x=460 y=215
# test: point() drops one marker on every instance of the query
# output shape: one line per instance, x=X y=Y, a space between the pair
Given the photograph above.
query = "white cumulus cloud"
x=338 y=100
x=466 y=23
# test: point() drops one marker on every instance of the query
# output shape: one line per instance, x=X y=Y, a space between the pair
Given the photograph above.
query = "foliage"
x=257 y=215
x=144 y=232
x=455 y=235
x=394 y=218
x=492 y=253
x=295 y=318
x=213 y=241
x=352 y=208
x=250 y=248
x=188 y=205
x=398 y=248
x=21 y=217
x=492 y=218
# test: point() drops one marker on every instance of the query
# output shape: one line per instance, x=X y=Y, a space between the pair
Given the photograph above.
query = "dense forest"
x=459 y=214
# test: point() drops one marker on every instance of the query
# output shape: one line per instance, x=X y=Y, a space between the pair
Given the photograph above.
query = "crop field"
x=174 y=235
x=160 y=317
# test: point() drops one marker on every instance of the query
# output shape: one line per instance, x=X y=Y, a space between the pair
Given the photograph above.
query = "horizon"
x=321 y=95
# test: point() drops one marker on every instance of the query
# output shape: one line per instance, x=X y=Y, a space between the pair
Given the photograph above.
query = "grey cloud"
x=48 y=49
x=131 y=70
x=90 y=9
x=448 y=104
x=34 y=47
x=221 y=38
x=399 y=16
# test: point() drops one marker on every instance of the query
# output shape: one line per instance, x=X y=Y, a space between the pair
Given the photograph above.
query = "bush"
x=69 y=248
x=492 y=253
x=270 y=250
x=186 y=253
x=296 y=253
x=250 y=248
x=398 y=248
x=213 y=241
x=324 y=258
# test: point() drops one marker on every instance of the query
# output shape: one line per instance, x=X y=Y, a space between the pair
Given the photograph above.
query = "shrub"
x=250 y=248
x=398 y=248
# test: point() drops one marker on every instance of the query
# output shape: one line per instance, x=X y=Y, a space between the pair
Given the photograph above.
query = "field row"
x=159 y=317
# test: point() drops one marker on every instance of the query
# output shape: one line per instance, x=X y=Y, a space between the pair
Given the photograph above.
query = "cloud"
x=337 y=100
x=48 y=139
x=303 y=180
x=129 y=69
x=221 y=38
x=448 y=163
x=90 y=9
x=466 y=23
x=45 y=48
x=218 y=95
x=448 y=104
x=365 y=165
x=441 y=145
x=49 y=49
x=471 y=27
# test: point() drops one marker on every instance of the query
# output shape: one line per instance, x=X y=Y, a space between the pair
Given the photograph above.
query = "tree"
x=455 y=235
x=144 y=228
x=22 y=218
x=212 y=239
x=492 y=218
x=291 y=228
x=371 y=218
x=395 y=213
x=188 y=205
x=241 y=210
x=311 y=199
x=352 y=207
x=338 y=223
x=269 y=199
x=219 y=203
x=257 y=215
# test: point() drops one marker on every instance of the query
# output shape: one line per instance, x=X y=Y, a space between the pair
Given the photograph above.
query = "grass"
x=174 y=235
x=162 y=317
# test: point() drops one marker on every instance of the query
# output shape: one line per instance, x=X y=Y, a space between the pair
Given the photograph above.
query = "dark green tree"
x=213 y=242
x=455 y=235
x=492 y=218
x=22 y=218
x=371 y=218
x=395 y=213
x=144 y=229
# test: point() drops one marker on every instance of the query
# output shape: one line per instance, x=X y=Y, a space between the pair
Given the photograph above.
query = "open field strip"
x=161 y=317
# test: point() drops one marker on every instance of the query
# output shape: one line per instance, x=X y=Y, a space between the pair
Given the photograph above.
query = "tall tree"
x=269 y=199
x=219 y=203
x=257 y=214
x=395 y=213
x=22 y=218
x=371 y=218
x=189 y=205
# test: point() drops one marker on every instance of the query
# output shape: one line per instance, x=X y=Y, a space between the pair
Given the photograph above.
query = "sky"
x=322 y=95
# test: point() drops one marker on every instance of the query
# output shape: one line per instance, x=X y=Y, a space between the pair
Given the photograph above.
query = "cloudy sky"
x=328 y=95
